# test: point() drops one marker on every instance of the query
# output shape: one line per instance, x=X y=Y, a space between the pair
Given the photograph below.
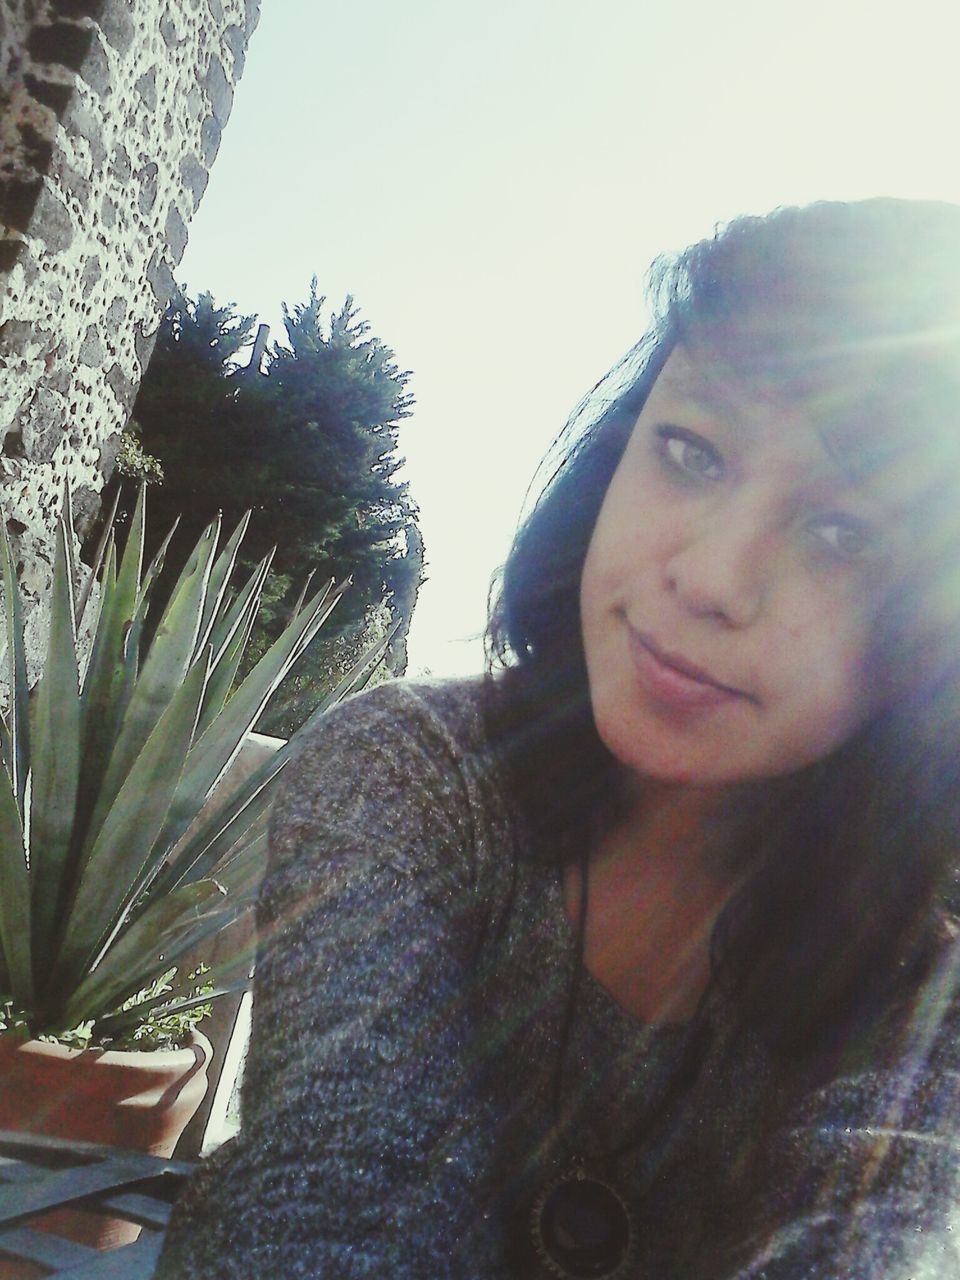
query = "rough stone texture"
x=110 y=117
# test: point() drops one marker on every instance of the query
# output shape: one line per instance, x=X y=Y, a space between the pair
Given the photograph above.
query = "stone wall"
x=110 y=118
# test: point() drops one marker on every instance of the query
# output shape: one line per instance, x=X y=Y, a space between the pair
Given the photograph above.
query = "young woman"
x=634 y=958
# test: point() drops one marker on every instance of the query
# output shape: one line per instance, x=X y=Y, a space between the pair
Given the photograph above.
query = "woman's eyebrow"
x=682 y=385
x=698 y=392
x=840 y=487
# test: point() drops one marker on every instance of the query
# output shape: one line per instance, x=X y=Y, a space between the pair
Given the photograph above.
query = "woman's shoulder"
x=411 y=730
x=448 y=709
x=401 y=768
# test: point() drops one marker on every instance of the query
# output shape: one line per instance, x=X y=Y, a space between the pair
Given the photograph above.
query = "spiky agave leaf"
x=17 y=752
x=6 y=744
x=164 y=669
x=162 y=938
x=106 y=539
x=15 y=931
x=55 y=766
x=216 y=748
x=148 y=947
x=115 y=923
x=241 y=871
x=117 y=864
x=112 y=668
x=229 y=636
x=116 y=1025
x=219 y=580
x=226 y=830
x=355 y=679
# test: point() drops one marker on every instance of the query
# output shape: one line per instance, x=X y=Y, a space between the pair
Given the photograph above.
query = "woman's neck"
x=699 y=832
x=658 y=878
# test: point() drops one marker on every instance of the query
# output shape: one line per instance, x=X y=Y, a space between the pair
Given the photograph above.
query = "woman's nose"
x=722 y=568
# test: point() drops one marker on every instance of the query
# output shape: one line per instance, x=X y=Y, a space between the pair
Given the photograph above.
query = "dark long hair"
x=859 y=303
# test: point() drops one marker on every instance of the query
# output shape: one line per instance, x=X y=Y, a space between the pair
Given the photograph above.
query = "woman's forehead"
x=719 y=384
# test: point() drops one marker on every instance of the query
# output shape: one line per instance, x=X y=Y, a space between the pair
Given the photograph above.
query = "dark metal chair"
x=41 y=1174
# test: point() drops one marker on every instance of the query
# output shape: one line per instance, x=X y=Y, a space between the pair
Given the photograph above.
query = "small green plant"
x=110 y=876
x=133 y=461
x=168 y=1025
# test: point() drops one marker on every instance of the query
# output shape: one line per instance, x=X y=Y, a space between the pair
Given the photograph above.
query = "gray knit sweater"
x=399 y=1107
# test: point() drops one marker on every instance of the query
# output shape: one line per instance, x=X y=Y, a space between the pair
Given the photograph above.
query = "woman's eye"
x=690 y=453
x=845 y=535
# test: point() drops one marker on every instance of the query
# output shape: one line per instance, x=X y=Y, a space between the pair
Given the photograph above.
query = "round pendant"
x=582 y=1228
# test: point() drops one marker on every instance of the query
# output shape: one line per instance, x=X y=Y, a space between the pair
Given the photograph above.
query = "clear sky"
x=490 y=182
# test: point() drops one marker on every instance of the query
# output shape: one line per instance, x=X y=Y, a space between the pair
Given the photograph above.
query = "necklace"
x=581 y=1227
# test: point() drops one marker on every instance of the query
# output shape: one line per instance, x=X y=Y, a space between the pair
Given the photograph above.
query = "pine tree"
x=333 y=400
x=310 y=444
x=186 y=416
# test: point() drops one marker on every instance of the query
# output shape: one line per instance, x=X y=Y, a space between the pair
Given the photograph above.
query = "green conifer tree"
x=186 y=417
x=309 y=442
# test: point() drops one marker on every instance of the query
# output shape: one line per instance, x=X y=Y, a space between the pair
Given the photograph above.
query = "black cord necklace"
x=581 y=1227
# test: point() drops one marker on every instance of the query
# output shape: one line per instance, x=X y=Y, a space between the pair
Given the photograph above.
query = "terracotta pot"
x=141 y=1101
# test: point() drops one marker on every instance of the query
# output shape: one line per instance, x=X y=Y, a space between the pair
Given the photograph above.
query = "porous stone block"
x=110 y=117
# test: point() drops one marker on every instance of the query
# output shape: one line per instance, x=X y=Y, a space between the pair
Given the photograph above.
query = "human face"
x=730 y=587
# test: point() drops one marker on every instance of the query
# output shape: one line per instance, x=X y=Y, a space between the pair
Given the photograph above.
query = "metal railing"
x=39 y=1176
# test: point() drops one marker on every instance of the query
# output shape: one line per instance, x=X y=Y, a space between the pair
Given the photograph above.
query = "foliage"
x=311 y=446
x=133 y=462
x=159 y=1029
x=323 y=666
x=109 y=874
x=334 y=398
x=183 y=411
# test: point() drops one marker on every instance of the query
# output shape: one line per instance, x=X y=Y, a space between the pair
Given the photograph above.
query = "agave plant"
x=107 y=878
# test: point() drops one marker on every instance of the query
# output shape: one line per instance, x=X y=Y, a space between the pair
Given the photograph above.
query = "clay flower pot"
x=141 y=1101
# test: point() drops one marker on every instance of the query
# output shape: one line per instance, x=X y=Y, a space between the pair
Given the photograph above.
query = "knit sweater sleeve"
x=861 y=1181
x=361 y=1141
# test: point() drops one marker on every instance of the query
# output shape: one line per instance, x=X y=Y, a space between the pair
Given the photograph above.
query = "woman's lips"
x=670 y=679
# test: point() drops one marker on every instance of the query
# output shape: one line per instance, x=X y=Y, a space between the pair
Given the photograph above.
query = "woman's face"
x=730 y=587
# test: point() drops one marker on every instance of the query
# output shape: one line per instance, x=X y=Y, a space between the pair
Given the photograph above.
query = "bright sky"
x=491 y=181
